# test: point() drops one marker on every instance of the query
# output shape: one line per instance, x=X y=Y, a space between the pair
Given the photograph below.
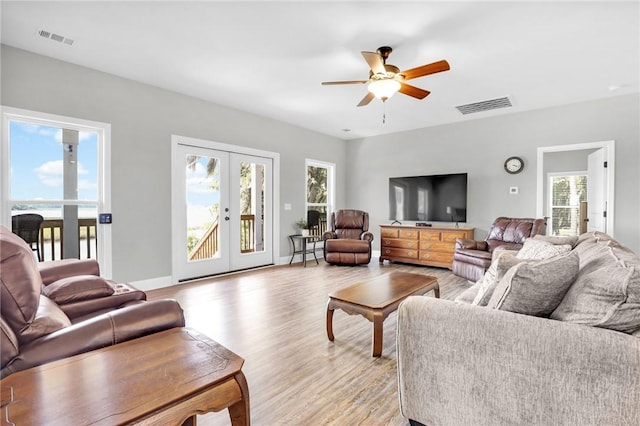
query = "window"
x=568 y=192
x=57 y=170
x=319 y=195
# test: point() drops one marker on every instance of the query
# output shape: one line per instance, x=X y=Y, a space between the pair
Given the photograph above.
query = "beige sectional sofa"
x=557 y=342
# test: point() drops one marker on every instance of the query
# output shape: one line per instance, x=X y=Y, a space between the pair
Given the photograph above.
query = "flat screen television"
x=439 y=198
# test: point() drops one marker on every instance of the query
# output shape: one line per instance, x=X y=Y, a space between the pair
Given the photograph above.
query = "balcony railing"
x=52 y=239
x=207 y=246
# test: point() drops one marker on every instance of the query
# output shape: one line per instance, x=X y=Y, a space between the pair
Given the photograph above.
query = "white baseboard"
x=153 y=283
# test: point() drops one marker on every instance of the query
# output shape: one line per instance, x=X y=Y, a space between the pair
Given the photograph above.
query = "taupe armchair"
x=349 y=240
x=472 y=258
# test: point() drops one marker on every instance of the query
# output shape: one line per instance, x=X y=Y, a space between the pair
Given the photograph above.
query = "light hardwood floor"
x=275 y=319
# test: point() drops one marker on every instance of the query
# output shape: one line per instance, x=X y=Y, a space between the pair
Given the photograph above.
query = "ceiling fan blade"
x=425 y=70
x=375 y=62
x=413 y=91
x=330 y=83
x=368 y=98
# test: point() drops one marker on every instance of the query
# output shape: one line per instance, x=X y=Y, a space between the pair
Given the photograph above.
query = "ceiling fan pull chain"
x=384 y=113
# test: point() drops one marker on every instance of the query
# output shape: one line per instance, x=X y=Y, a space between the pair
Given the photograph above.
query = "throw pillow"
x=504 y=261
x=77 y=288
x=536 y=288
x=538 y=249
x=572 y=240
x=606 y=292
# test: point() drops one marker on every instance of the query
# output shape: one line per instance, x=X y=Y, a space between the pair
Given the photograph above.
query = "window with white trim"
x=319 y=194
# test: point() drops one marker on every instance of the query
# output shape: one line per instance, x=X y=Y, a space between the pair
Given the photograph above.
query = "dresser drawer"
x=437 y=246
x=430 y=235
x=452 y=236
x=393 y=242
x=437 y=257
x=391 y=233
x=409 y=234
x=398 y=252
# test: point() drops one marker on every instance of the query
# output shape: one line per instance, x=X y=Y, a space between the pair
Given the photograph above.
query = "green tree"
x=316 y=184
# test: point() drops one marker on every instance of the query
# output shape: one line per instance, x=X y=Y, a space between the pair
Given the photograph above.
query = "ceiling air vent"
x=55 y=37
x=484 y=105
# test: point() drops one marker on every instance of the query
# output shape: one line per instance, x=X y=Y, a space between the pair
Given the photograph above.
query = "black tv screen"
x=440 y=198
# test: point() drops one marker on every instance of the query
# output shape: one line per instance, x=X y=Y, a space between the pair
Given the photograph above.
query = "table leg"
x=436 y=291
x=239 y=412
x=314 y=253
x=376 y=345
x=293 y=249
x=330 y=321
x=304 y=252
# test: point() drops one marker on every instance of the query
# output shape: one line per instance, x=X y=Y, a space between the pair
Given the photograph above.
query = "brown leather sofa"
x=349 y=240
x=472 y=258
x=52 y=310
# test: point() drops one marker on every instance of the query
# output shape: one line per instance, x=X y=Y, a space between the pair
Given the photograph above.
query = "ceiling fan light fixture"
x=385 y=88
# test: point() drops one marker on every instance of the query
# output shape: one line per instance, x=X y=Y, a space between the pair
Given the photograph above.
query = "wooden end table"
x=377 y=298
x=164 y=378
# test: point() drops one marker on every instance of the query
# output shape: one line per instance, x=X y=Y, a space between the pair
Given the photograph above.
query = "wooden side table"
x=163 y=378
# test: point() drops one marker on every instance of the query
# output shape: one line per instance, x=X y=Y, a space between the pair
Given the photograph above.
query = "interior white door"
x=597 y=183
x=222 y=211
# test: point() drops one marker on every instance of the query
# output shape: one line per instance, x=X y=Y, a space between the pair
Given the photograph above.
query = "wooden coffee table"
x=377 y=298
x=162 y=379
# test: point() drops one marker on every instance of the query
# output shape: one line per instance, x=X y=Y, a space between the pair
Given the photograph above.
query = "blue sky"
x=36 y=155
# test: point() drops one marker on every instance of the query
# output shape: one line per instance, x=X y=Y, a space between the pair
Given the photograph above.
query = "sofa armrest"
x=55 y=270
x=107 y=329
x=464 y=364
x=465 y=243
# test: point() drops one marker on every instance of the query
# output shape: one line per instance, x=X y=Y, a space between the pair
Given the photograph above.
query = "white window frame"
x=104 y=170
x=331 y=189
x=550 y=205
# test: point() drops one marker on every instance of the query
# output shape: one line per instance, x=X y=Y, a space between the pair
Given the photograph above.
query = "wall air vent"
x=484 y=105
x=55 y=37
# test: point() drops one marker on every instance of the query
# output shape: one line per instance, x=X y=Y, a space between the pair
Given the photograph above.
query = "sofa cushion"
x=536 y=287
x=77 y=288
x=49 y=318
x=487 y=284
x=606 y=292
x=536 y=249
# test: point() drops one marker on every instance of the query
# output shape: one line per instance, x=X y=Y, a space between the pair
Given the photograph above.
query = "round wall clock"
x=513 y=165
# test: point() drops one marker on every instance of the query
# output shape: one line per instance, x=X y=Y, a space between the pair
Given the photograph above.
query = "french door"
x=222 y=211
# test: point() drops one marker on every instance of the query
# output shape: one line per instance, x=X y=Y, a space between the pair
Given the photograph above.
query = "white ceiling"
x=269 y=58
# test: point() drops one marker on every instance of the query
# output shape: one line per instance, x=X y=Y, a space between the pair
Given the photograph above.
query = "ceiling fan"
x=386 y=79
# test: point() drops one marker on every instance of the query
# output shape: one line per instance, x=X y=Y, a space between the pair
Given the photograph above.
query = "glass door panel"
x=200 y=232
x=251 y=199
x=203 y=207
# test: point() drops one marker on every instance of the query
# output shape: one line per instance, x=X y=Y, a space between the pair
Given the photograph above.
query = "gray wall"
x=480 y=147
x=142 y=119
